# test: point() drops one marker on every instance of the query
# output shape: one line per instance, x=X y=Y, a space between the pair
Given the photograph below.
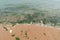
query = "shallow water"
x=54 y=4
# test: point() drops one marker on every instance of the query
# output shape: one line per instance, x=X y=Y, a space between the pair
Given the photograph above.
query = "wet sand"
x=29 y=32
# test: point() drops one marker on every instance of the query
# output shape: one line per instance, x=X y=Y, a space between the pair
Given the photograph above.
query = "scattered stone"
x=10 y=31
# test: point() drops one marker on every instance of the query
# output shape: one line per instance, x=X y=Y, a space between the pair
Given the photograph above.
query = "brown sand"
x=30 y=32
